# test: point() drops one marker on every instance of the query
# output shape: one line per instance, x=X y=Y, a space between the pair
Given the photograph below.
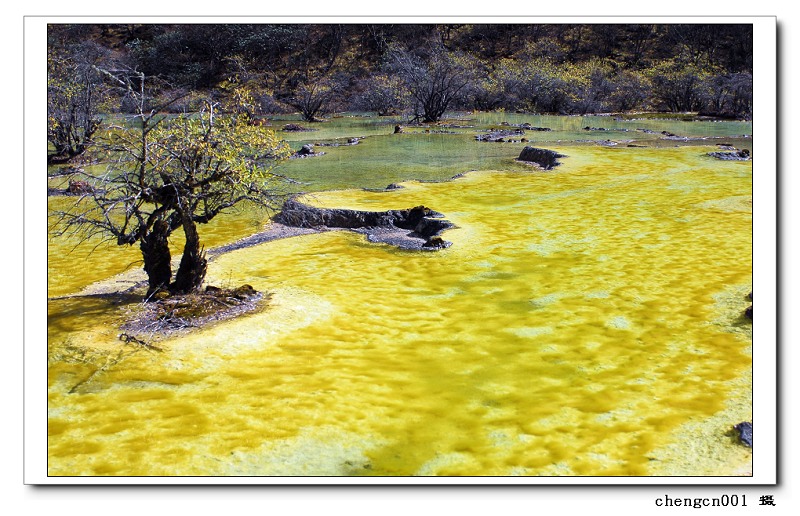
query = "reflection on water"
x=581 y=322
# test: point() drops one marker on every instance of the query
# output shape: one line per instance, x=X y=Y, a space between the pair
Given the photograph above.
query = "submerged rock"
x=545 y=158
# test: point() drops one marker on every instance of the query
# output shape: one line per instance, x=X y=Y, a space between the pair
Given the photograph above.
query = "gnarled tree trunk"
x=192 y=270
x=157 y=258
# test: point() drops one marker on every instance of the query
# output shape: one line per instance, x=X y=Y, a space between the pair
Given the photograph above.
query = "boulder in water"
x=545 y=158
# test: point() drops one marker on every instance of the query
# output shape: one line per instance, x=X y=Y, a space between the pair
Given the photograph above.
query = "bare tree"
x=171 y=172
x=434 y=80
x=679 y=86
x=730 y=95
x=380 y=93
x=73 y=95
x=312 y=99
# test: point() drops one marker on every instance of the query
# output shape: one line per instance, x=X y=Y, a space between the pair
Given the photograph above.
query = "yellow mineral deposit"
x=585 y=321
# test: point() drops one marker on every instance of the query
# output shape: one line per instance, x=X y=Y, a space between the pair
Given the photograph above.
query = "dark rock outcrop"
x=436 y=243
x=742 y=155
x=545 y=158
x=527 y=126
x=748 y=312
x=745 y=431
x=666 y=135
x=306 y=151
x=411 y=228
x=297 y=214
x=295 y=128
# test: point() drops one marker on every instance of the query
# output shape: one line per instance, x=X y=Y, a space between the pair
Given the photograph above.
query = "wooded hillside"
x=399 y=68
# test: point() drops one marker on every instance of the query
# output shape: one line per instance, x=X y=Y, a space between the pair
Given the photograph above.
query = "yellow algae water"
x=585 y=321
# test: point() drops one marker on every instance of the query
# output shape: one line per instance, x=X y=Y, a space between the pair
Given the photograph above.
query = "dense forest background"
x=414 y=70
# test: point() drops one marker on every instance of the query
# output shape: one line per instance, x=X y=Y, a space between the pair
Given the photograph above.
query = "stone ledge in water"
x=412 y=228
x=742 y=155
x=527 y=126
x=403 y=239
x=306 y=151
x=502 y=136
x=296 y=128
x=545 y=158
